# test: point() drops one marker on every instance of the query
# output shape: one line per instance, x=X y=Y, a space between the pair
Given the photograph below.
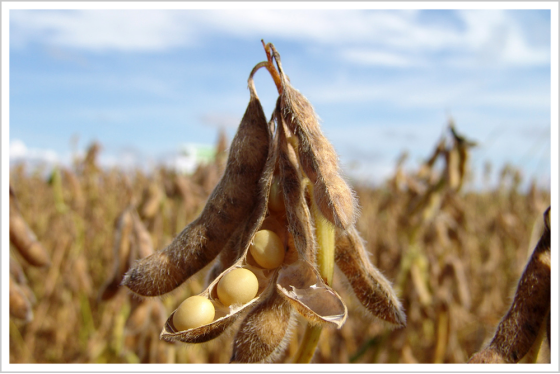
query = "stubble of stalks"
x=23 y=238
x=20 y=301
x=520 y=332
x=32 y=251
x=132 y=241
x=281 y=176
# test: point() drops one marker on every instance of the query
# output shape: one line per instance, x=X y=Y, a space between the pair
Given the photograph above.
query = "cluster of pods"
x=277 y=223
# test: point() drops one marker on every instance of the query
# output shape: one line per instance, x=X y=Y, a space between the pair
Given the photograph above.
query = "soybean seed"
x=267 y=249
x=194 y=312
x=239 y=286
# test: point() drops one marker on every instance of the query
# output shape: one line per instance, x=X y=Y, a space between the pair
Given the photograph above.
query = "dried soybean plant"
x=520 y=333
x=139 y=333
x=277 y=222
x=32 y=251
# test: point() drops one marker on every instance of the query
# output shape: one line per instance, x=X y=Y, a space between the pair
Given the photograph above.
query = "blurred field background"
x=453 y=253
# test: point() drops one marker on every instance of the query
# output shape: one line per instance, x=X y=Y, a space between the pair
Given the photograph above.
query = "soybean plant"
x=276 y=224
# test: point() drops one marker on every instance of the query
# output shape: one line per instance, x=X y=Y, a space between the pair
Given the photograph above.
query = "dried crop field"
x=454 y=258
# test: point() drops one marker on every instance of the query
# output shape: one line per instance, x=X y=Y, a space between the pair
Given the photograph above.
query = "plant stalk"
x=324 y=231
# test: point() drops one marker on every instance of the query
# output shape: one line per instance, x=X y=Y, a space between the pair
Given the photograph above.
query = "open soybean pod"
x=23 y=239
x=226 y=310
x=371 y=288
x=300 y=282
x=333 y=196
x=233 y=201
x=527 y=316
x=302 y=285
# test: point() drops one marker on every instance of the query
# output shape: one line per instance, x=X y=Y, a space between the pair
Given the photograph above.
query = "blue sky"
x=143 y=82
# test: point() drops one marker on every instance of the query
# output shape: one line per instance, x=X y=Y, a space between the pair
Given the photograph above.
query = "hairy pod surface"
x=520 y=326
x=371 y=288
x=318 y=158
x=230 y=203
x=297 y=210
x=263 y=334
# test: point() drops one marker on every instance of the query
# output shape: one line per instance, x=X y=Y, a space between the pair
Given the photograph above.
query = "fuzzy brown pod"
x=518 y=329
x=265 y=332
x=294 y=188
x=23 y=238
x=371 y=288
x=231 y=202
x=333 y=196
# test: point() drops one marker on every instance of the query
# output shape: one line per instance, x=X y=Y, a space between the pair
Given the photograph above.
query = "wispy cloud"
x=389 y=38
x=101 y=30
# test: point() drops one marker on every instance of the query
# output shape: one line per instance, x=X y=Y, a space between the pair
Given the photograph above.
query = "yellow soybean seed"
x=194 y=312
x=239 y=286
x=267 y=249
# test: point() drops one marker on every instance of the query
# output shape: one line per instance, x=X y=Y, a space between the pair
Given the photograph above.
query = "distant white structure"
x=183 y=160
x=190 y=155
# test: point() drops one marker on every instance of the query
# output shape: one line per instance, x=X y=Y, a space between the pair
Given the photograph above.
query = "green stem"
x=308 y=344
x=325 y=265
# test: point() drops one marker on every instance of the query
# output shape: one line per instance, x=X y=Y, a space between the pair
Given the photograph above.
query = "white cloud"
x=17 y=149
x=20 y=152
x=496 y=36
x=370 y=57
x=102 y=30
x=383 y=37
